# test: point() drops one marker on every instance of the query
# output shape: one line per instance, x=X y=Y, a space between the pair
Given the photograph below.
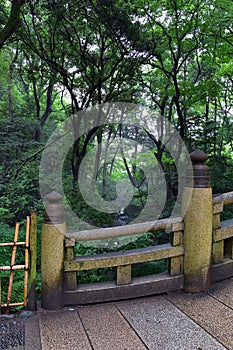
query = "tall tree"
x=81 y=53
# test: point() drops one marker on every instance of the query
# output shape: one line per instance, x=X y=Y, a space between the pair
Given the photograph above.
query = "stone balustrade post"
x=52 y=253
x=198 y=217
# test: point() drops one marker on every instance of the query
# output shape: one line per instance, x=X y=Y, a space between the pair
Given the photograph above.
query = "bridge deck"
x=176 y=321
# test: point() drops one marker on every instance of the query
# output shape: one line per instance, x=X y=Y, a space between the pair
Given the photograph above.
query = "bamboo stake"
x=12 y=244
x=26 y=262
x=32 y=271
x=12 y=304
x=13 y=256
x=0 y=296
x=13 y=268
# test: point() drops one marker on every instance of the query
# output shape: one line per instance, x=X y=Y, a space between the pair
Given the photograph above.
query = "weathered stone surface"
x=221 y=270
x=218 y=252
x=107 y=291
x=223 y=291
x=212 y=315
x=197 y=238
x=124 y=274
x=63 y=330
x=107 y=329
x=32 y=334
x=132 y=229
x=226 y=231
x=128 y=257
x=198 y=156
x=178 y=321
x=162 y=326
x=52 y=253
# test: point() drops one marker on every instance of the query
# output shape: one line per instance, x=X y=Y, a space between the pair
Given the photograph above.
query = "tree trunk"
x=9 y=88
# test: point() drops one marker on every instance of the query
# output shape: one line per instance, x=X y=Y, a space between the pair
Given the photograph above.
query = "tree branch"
x=35 y=154
x=13 y=21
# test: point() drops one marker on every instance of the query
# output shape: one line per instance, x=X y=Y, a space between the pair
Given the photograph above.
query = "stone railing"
x=200 y=251
x=222 y=239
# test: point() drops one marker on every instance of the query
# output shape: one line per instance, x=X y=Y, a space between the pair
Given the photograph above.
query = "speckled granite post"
x=52 y=253
x=197 y=225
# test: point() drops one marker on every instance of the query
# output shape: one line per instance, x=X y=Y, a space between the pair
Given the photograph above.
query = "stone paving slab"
x=223 y=291
x=178 y=321
x=211 y=314
x=108 y=330
x=162 y=326
x=62 y=330
x=32 y=334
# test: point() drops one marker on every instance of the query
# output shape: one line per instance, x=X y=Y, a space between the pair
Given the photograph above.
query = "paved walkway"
x=177 y=321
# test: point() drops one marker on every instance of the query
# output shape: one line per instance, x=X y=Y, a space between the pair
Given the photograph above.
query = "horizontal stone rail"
x=224 y=232
x=128 y=257
x=173 y=224
x=109 y=291
x=225 y=198
x=124 y=260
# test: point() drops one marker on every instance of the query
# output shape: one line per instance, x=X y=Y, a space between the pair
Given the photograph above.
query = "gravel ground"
x=11 y=333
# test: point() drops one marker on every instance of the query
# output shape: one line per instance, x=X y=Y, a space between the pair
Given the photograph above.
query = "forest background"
x=60 y=57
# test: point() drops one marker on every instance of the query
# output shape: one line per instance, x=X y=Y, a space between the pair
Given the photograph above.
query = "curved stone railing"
x=222 y=239
x=124 y=287
x=225 y=198
x=200 y=251
x=121 y=231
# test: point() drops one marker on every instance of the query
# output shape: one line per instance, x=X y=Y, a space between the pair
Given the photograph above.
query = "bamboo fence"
x=13 y=267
